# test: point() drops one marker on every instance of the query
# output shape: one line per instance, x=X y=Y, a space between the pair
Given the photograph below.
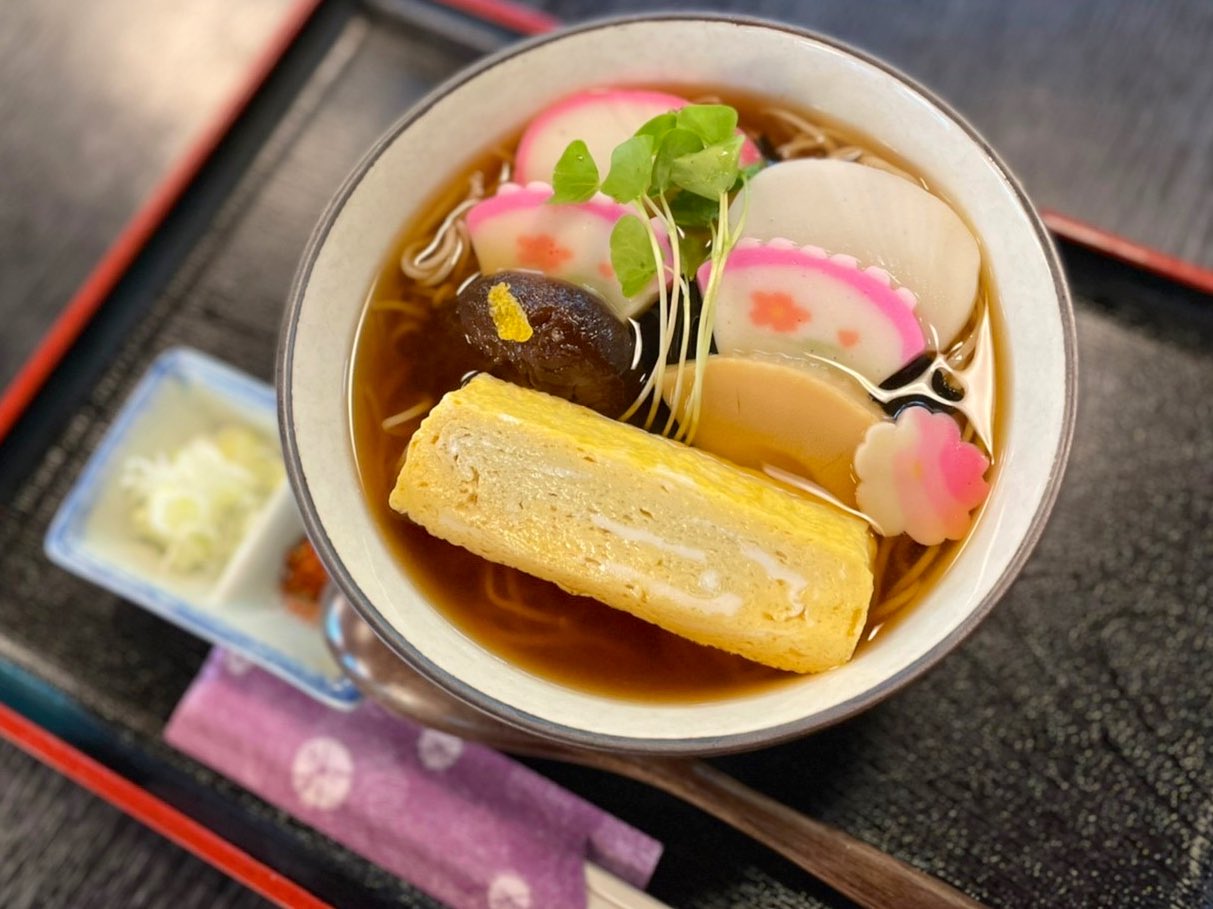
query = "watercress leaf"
x=675 y=144
x=632 y=255
x=575 y=178
x=691 y=211
x=710 y=172
x=714 y=123
x=695 y=247
x=748 y=172
x=658 y=127
x=631 y=164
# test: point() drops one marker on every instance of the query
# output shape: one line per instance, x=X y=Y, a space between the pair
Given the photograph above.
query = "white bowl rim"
x=708 y=745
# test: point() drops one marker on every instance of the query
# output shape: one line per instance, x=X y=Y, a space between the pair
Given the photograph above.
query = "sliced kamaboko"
x=602 y=119
x=917 y=476
x=879 y=218
x=517 y=229
x=783 y=417
x=780 y=298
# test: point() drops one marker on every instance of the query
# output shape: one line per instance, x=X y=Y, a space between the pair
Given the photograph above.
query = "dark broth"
x=533 y=624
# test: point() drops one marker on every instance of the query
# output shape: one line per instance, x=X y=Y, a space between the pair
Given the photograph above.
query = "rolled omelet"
x=668 y=533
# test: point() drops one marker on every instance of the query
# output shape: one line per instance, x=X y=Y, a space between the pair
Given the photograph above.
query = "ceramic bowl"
x=430 y=145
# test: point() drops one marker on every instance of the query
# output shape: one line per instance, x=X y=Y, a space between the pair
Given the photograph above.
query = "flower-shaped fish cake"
x=917 y=476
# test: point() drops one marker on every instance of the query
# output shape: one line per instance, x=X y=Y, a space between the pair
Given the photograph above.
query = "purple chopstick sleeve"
x=467 y=824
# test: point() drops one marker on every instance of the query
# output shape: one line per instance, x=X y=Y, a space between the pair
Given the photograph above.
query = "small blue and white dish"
x=237 y=606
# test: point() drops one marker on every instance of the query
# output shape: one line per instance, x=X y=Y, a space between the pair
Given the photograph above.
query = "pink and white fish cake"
x=917 y=476
x=777 y=297
x=519 y=229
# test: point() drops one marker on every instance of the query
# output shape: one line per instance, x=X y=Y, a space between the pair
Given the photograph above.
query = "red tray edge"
x=88 y=299
x=1115 y=246
x=136 y=233
x=25 y=734
x=152 y=812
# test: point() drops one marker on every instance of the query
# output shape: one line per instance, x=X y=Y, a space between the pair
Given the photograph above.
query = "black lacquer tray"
x=1059 y=757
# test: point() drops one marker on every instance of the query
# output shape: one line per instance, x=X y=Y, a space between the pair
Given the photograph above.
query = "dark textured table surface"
x=1102 y=108
x=97 y=100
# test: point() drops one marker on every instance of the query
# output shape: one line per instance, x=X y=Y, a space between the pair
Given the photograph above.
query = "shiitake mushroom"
x=579 y=349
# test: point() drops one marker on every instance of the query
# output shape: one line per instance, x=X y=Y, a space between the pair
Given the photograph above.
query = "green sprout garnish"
x=680 y=169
